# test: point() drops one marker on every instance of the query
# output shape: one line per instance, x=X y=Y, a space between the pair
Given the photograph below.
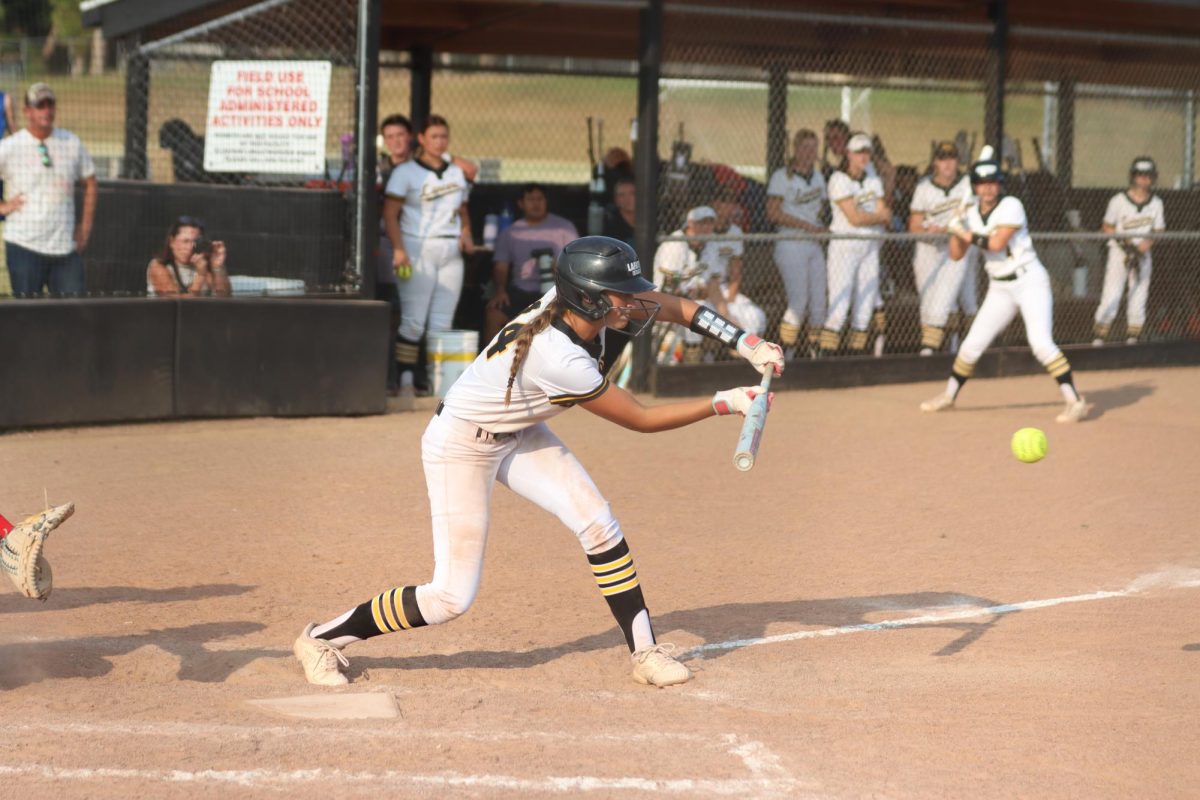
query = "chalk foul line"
x=1174 y=578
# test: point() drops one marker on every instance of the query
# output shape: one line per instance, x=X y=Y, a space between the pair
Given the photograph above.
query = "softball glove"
x=21 y=552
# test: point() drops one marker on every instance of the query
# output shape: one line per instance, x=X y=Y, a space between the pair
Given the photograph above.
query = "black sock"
x=618 y=582
x=386 y=612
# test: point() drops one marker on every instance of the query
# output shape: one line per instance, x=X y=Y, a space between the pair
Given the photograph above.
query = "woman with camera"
x=190 y=265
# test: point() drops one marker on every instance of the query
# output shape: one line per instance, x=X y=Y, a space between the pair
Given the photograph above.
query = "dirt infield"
x=889 y=606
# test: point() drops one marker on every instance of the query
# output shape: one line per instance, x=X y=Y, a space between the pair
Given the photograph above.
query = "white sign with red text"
x=267 y=116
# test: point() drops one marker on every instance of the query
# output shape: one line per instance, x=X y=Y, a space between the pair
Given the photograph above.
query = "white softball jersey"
x=560 y=370
x=432 y=198
x=1019 y=254
x=866 y=192
x=678 y=268
x=716 y=255
x=939 y=204
x=1126 y=216
x=803 y=195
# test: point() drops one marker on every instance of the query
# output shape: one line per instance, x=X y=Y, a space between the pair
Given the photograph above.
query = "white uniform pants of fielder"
x=853 y=288
x=1118 y=277
x=1029 y=295
x=801 y=265
x=460 y=471
x=429 y=297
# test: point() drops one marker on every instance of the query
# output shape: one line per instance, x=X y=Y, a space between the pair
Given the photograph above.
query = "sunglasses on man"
x=44 y=152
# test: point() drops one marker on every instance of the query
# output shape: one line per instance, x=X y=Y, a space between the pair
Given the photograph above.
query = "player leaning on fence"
x=859 y=206
x=1135 y=210
x=492 y=427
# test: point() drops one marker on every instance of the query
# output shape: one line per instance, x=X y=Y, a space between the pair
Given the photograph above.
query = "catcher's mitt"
x=21 y=552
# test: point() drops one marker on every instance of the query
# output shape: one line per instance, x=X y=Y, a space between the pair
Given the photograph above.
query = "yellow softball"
x=1029 y=445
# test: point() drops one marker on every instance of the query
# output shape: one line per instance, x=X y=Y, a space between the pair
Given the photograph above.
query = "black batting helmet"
x=592 y=265
x=987 y=171
x=1143 y=165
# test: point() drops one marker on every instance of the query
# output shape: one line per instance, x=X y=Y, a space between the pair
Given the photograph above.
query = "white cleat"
x=1131 y=340
x=939 y=403
x=656 y=666
x=320 y=659
x=1075 y=411
x=1097 y=342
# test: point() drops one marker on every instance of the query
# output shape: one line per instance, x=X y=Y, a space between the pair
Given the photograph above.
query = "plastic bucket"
x=450 y=353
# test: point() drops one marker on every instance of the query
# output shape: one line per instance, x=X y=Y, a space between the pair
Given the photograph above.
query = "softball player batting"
x=945 y=284
x=492 y=426
x=1136 y=210
x=859 y=206
x=425 y=211
x=1017 y=282
x=795 y=198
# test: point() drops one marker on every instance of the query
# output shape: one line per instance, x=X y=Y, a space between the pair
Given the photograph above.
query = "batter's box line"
x=1169 y=578
x=767 y=777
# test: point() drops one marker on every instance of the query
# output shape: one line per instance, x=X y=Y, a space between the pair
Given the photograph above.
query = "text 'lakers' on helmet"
x=589 y=267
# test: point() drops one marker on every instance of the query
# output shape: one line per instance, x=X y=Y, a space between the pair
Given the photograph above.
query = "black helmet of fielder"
x=1143 y=165
x=590 y=266
x=987 y=170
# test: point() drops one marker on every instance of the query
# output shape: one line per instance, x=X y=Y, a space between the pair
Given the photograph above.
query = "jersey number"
x=506 y=336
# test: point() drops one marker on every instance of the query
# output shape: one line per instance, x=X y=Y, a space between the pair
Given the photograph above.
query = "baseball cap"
x=39 y=92
x=859 y=141
x=701 y=213
x=1143 y=164
x=945 y=150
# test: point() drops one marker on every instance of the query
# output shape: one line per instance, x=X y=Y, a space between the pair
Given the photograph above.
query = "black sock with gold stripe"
x=387 y=612
x=618 y=582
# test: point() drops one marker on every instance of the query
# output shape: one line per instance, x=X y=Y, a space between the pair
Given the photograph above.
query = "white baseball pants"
x=853 y=283
x=429 y=297
x=1030 y=295
x=945 y=285
x=801 y=264
x=460 y=469
x=1116 y=278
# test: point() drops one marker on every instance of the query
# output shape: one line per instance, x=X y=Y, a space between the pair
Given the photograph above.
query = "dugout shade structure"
x=1070 y=90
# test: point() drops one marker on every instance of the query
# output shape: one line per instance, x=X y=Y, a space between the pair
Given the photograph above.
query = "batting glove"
x=760 y=353
x=737 y=401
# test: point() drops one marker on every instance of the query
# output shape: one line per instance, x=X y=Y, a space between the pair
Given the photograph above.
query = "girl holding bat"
x=492 y=426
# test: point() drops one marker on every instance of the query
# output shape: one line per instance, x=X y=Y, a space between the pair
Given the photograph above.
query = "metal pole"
x=993 y=125
x=777 y=110
x=366 y=202
x=645 y=161
x=421 y=90
x=1189 y=140
x=137 y=117
x=1064 y=151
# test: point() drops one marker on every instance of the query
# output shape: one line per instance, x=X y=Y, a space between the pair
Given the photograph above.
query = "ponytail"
x=552 y=312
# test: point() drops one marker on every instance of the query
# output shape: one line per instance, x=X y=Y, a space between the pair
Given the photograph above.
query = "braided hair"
x=553 y=311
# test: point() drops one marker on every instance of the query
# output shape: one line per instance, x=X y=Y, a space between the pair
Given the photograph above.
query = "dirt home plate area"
x=890 y=605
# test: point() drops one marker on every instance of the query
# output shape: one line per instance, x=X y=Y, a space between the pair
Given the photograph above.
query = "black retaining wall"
x=70 y=362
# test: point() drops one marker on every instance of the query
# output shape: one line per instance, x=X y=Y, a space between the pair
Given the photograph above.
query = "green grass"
x=535 y=124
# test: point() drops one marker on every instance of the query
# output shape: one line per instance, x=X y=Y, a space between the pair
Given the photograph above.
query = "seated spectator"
x=189 y=265
x=532 y=244
x=619 y=221
x=724 y=262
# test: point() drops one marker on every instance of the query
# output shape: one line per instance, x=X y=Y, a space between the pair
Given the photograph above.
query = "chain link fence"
x=144 y=123
x=729 y=118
